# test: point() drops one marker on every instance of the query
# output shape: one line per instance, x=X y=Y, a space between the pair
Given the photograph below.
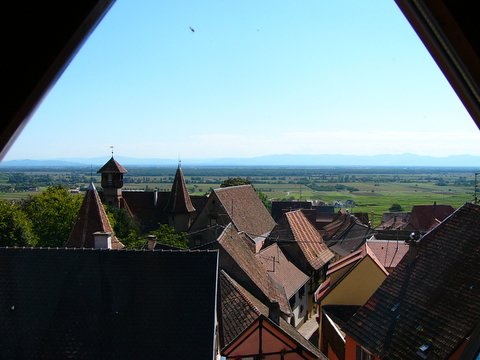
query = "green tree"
x=15 y=227
x=265 y=200
x=53 y=214
x=166 y=235
x=126 y=228
x=235 y=182
x=395 y=207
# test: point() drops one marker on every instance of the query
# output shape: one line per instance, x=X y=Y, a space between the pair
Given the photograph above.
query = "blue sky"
x=254 y=78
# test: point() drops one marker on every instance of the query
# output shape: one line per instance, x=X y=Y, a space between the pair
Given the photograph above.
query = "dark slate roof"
x=179 y=201
x=348 y=234
x=282 y=270
x=245 y=209
x=199 y=202
x=238 y=309
x=236 y=247
x=112 y=166
x=90 y=219
x=308 y=239
x=280 y=207
x=430 y=299
x=147 y=207
x=107 y=304
x=426 y=217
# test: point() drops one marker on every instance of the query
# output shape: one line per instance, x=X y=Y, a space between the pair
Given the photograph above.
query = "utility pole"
x=475 y=190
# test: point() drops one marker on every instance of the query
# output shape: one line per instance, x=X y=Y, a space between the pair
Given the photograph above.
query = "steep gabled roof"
x=91 y=218
x=112 y=166
x=432 y=298
x=236 y=312
x=236 y=247
x=179 y=201
x=245 y=209
x=96 y=304
x=282 y=270
x=308 y=239
x=426 y=217
x=239 y=309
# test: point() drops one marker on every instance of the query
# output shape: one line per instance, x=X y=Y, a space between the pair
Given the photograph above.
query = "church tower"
x=179 y=207
x=112 y=181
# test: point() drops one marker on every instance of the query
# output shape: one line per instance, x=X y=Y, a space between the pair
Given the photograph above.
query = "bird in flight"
x=192 y=29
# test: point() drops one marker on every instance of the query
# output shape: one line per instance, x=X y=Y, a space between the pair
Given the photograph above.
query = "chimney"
x=103 y=240
x=412 y=246
x=151 y=242
x=274 y=311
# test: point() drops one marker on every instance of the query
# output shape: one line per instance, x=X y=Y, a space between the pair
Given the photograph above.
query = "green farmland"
x=371 y=190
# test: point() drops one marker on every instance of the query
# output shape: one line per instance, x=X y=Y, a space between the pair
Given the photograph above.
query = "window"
x=363 y=354
x=292 y=301
x=301 y=292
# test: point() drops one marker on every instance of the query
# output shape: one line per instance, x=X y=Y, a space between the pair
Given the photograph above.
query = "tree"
x=395 y=207
x=166 y=235
x=235 y=182
x=53 y=214
x=126 y=228
x=265 y=200
x=15 y=227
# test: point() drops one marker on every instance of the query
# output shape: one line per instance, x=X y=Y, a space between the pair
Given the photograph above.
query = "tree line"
x=46 y=220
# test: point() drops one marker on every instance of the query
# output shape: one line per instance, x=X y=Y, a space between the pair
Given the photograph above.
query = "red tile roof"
x=239 y=309
x=179 y=201
x=245 y=209
x=236 y=247
x=431 y=298
x=308 y=239
x=388 y=252
x=237 y=312
x=282 y=270
x=425 y=217
x=112 y=166
x=91 y=218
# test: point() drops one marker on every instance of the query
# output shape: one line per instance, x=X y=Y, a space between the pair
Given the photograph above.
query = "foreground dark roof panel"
x=107 y=304
x=431 y=299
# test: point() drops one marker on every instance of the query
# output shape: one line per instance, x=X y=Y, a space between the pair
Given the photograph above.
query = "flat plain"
x=368 y=190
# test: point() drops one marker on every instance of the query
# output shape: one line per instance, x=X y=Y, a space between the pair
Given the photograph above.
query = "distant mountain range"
x=270 y=160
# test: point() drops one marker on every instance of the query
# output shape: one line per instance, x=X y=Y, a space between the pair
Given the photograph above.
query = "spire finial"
x=111 y=148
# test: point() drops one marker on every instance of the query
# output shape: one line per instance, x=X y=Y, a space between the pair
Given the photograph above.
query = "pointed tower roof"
x=112 y=166
x=179 y=201
x=91 y=218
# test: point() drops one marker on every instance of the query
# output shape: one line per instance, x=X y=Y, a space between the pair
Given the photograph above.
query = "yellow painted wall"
x=357 y=287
